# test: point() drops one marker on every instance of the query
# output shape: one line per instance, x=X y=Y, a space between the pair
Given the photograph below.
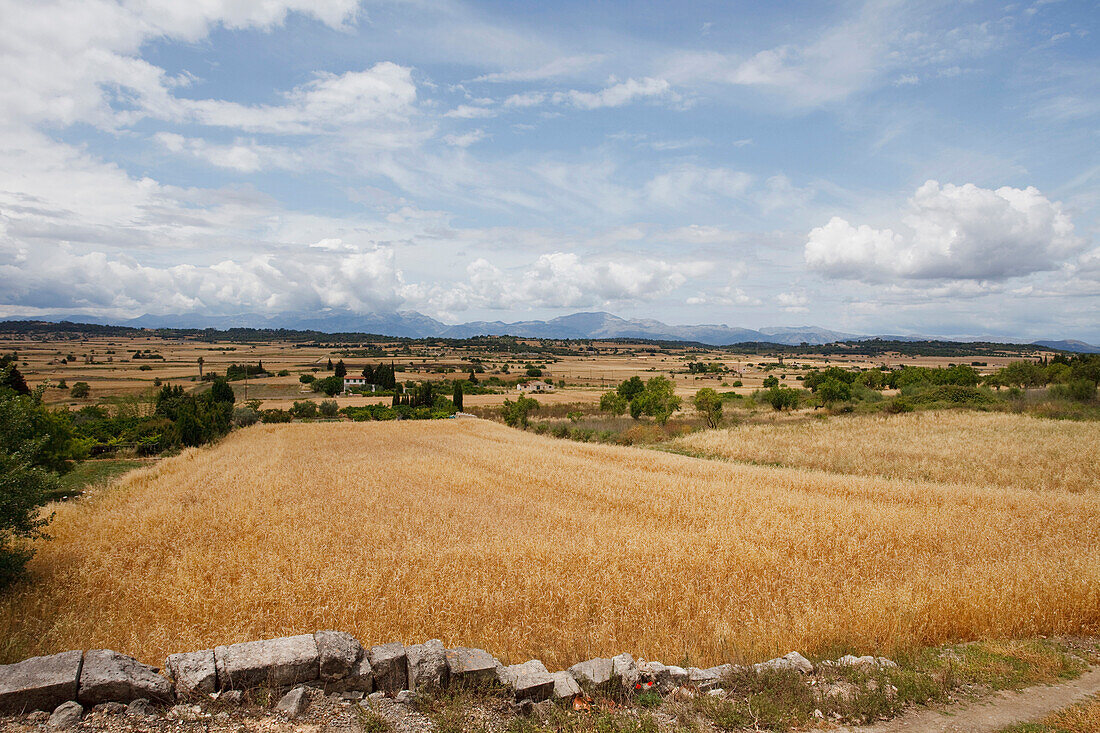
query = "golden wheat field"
x=957 y=446
x=535 y=547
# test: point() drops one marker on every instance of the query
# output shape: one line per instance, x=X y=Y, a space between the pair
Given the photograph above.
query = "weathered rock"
x=185 y=712
x=39 y=683
x=108 y=675
x=294 y=702
x=793 y=661
x=471 y=666
x=66 y=716
x=565 y=686
x=351 y=695
x=231 y=697
x=141 y=707
x=625 y=670
x=110 y=708
x=390 y=666
x=530 y=681
x=193 y=672
x=338 y=654
x=706 y=679
x=677 y=676
x=849 y=660
x=593 y=673
x=656 y=673
x=406 y=697
x=427 y=666
x=38 y=716
x=274 y=662
x=523 y=708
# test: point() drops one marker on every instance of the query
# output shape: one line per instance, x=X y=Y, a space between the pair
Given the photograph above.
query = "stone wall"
x=336 y=662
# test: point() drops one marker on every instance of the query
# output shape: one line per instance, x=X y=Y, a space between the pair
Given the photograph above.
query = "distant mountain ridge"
x=585 y=325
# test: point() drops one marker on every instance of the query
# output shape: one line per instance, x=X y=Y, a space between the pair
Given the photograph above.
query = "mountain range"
x=591 y=325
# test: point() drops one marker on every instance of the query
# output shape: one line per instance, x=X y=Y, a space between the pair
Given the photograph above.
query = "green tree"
x=613 y=402
x=771 y=381
x=834 y=390
x=631 y=388
x=657 y=399
x=709 y=405
x=340 y=370
x=456 y=396
x=782 y=398
x=329 y=385
x=220 y=391
x=306 y=378
x=533 y=371
x=10 y=376
x=329 y=408
x=80 y=390
x=517 y=414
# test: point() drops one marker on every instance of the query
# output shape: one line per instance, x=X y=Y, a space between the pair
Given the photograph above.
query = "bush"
x=80 y=390
x=1079 y=390
x=782 y=398
x=329 y=385
x=306 y=378
x=329 y=408
x=898 y=405
x=275 y=416
x=245 y=416
x=32 y=443
x=304 y=409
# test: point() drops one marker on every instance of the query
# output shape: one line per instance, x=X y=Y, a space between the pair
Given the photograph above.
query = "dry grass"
x=1012 y=451
x=535 y=547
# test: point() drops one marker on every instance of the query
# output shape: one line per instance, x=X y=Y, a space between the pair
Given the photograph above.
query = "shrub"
x=275 y=416
x=782 y=398
x=1079 y=390
x=898 y=405
x=329 y=408
x=80 y=390
x=304 y=409
x=771 y=381
x=306 y=378
x=245 y=416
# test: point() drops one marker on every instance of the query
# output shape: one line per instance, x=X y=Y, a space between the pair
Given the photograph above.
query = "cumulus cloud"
x=950 y=232
x=563 y=280
x=360 y=281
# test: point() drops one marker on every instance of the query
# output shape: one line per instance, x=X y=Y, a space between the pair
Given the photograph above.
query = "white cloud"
x=243 y=156
x=558 y=67
x=384 y=93
x=360 y=281
x=468 y=112
x=64 y=61
x=690 y=183
x=466 y=139
x=951 y=232
x=618 y=93
x=563 y=280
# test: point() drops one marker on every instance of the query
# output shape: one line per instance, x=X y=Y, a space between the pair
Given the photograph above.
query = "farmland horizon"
x=580 y=325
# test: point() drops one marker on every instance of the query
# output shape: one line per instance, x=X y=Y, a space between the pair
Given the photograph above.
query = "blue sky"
x=873 y=167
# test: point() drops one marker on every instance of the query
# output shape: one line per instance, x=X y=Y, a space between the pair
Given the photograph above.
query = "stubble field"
x=535 y=547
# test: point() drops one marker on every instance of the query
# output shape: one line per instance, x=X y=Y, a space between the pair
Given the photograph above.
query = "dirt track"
x=994 y=712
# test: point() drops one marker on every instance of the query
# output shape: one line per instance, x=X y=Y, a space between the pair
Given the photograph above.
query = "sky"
x=872 y=167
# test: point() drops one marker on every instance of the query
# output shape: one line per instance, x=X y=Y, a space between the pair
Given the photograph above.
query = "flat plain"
x=533 y=547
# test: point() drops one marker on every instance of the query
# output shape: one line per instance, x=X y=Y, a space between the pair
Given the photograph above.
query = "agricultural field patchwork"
x=532 y=547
